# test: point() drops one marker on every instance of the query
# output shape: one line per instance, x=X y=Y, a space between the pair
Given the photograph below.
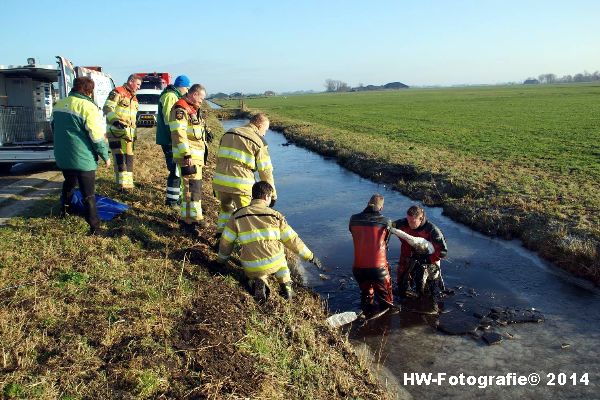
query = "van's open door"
x=66 y=76
x=103 y=83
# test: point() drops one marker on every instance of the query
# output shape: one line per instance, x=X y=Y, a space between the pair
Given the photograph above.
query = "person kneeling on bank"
x=262 y=234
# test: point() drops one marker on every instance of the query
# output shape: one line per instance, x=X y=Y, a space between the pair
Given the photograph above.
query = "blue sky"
x=253 y=46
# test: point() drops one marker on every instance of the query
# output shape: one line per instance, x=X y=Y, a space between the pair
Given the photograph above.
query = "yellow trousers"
x=229 y=203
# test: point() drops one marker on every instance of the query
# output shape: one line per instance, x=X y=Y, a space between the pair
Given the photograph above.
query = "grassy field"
x=516 y=161
x=145 y=312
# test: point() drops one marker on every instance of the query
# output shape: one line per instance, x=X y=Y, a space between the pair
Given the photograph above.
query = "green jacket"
x=79 y=133
x=168 y=98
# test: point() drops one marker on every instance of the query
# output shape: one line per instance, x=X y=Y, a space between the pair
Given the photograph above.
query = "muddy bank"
x=480 y=208
x=146 y=312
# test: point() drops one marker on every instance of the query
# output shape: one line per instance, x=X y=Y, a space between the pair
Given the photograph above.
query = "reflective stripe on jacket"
x=262 y=233
x=242 y=151
x=370 y=234
x=79 y=133
x=187 y=132
x=121 y=106
x=167 y=100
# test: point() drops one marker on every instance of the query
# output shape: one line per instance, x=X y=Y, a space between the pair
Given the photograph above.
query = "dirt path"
x=18 y=195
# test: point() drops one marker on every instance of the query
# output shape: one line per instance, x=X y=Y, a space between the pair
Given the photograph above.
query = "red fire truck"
x=154 y=80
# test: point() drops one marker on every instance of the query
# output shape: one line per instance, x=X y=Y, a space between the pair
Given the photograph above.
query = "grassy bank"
x=146 y=312
x=517 y=162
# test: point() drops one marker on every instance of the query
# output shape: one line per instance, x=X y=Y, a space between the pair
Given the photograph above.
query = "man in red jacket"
x=416 y=224
x=370 y=233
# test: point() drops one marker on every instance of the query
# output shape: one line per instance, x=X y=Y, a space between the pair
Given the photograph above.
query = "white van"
x=27 y=95
x=148 y=99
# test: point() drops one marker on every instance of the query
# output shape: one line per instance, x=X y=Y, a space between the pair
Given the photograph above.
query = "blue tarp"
x=107 y=208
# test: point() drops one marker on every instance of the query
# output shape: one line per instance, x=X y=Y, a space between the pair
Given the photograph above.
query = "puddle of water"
x=317 y=196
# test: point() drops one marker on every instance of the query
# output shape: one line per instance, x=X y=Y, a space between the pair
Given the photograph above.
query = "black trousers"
x=173 y=181
x=87 y=185
x=374 y=283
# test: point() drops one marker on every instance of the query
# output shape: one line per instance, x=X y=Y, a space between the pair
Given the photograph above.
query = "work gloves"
x=272 y=203
x=422 y=248
x=422 y=258
x=209 y=136
x=316 y=262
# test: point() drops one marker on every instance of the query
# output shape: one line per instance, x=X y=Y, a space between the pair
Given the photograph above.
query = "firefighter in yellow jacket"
x=262 y=234
x=121 y=109
x=188 y=140
x=242 y=151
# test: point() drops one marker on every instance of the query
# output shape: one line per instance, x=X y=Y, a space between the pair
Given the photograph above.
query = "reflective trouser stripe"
x=191 y=211
x=229 y=202
x=173 y=193
x=222 y=220
x=283 y=274
x=125 y=179
x=122 y=151
x=259 y=269
x=191 y=194
x=264 y=264
x=173 y=180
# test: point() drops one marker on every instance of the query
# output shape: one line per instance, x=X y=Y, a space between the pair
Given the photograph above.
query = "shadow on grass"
x=200 y=257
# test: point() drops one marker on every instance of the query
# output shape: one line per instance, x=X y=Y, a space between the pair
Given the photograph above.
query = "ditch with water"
x=317 y=196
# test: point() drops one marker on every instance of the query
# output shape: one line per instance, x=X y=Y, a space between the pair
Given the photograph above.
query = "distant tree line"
x=552 y=78
x=239 y=95
x=332 y=85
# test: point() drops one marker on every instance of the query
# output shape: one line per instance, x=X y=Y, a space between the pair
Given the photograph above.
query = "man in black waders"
x=429 y=257
x=370 y=233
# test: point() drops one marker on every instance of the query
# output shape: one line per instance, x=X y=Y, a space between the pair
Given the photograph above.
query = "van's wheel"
x=5 y=168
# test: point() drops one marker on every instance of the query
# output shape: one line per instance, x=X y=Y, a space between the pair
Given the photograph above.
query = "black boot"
x=367 y=306
x=65 y=210
x=65 y=203
x=190 y=230
x=217 y=241
x=286 y=290
x=260 y=291
x=96 y=231
x=91 y=215
x=172 y=204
